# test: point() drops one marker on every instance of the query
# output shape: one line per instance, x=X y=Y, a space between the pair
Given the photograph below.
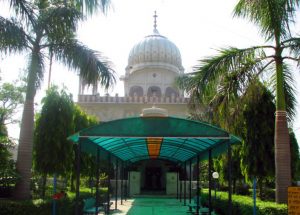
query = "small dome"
x=154 y=111
x=154 y=49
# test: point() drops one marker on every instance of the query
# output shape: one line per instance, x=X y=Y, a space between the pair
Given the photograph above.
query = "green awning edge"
x=147 y=123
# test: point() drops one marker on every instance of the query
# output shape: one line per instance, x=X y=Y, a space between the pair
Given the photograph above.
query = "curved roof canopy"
x=140 y=138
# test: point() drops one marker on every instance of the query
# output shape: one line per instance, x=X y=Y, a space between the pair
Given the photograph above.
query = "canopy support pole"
x=78 y=151
x=229 y=179
x=190 y=193
x=126 y=183
x=209 y=180
x=177 y=184
x=116 y=185
x=128 y=189
x=108 y=185
x=122 y=176
x=180 y=186
x=184 y=184
x=198 y=185
x=97 y=179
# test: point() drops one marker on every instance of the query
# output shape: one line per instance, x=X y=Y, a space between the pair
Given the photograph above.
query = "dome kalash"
x=154 y=49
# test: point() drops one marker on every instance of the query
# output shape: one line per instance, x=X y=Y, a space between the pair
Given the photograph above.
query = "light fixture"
x=215 y=175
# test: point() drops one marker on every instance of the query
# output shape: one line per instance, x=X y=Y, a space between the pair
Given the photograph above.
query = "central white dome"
x=154 y=50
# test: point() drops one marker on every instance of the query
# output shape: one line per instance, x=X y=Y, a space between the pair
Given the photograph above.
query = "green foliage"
x=295 y=158
x=11 y=98
x=8 y=174
x=37 y=207
x=43 y=27
x=221 y=166
x=244 y=205
x=52 y=151
x=257 y=154
x=82 y=120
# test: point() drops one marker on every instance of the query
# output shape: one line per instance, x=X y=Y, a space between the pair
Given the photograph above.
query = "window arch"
x=154 y=91
x=136 y=91
x=171 y=91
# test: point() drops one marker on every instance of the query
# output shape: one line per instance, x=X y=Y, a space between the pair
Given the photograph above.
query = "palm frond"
x=91 y=7
x=238 y=63
x=59 y=21
x=91 y=65
x=87 y=7
x=289 y=91
x=12 y=36
x=293 y=45
x=272 y=16
x=24 y=8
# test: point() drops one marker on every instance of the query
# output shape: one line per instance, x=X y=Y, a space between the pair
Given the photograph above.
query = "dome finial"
x=155 y=22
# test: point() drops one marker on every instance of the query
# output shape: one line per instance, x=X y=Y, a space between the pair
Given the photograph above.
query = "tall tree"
x=81 y=120
x=257 y=152
x=36 y=29
x=11 y=99
x=242 y=66
x=55 y=123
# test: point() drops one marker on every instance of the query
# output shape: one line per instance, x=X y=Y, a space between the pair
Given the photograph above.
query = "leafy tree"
x=82 y=120
x=240 y=67
x=53 y=126
x=11 y=98
x=221 y=166
x=36 y=29
x=52 y=151
x=295 y=158
x=257 y=152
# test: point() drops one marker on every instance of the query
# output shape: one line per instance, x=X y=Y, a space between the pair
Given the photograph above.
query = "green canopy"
x=140 y=138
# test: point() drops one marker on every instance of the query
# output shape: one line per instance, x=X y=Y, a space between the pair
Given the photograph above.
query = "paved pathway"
x=150 y=206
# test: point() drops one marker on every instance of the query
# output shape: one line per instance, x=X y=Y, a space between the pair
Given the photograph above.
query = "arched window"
x=171 y=91
x=154 y=91
x=136 y=91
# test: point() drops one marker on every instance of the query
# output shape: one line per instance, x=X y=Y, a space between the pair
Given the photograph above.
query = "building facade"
x=153 y=65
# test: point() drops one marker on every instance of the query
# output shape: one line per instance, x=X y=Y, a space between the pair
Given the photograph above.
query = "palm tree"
x=232 y=70
x=35 y=29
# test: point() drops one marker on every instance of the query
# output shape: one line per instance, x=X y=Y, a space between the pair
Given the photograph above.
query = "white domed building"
x=153 y=65
x=149 y=80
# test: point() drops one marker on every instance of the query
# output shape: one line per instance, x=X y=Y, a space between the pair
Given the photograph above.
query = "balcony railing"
x=131 y=99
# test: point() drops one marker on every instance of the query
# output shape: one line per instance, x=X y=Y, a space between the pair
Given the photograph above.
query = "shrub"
x=38 y=207
x=243 y=205
x=242 y=189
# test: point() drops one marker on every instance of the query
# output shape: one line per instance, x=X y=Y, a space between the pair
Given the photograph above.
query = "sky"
x=197 y=27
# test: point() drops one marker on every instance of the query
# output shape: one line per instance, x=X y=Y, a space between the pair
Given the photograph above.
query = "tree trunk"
x=234 y=186
x=72 y=185
x=24 y=160
x=282 y=157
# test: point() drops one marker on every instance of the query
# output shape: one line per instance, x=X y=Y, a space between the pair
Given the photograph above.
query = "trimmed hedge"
x=243 y=205
x=38 y=207
x=65 y=206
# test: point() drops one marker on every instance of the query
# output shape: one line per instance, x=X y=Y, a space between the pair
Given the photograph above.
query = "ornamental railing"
x=131 y=99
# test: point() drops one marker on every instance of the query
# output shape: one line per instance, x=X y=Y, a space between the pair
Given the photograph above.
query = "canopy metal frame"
x=130 y=140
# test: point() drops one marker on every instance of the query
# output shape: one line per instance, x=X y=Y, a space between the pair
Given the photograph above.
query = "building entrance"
x=153 y=179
